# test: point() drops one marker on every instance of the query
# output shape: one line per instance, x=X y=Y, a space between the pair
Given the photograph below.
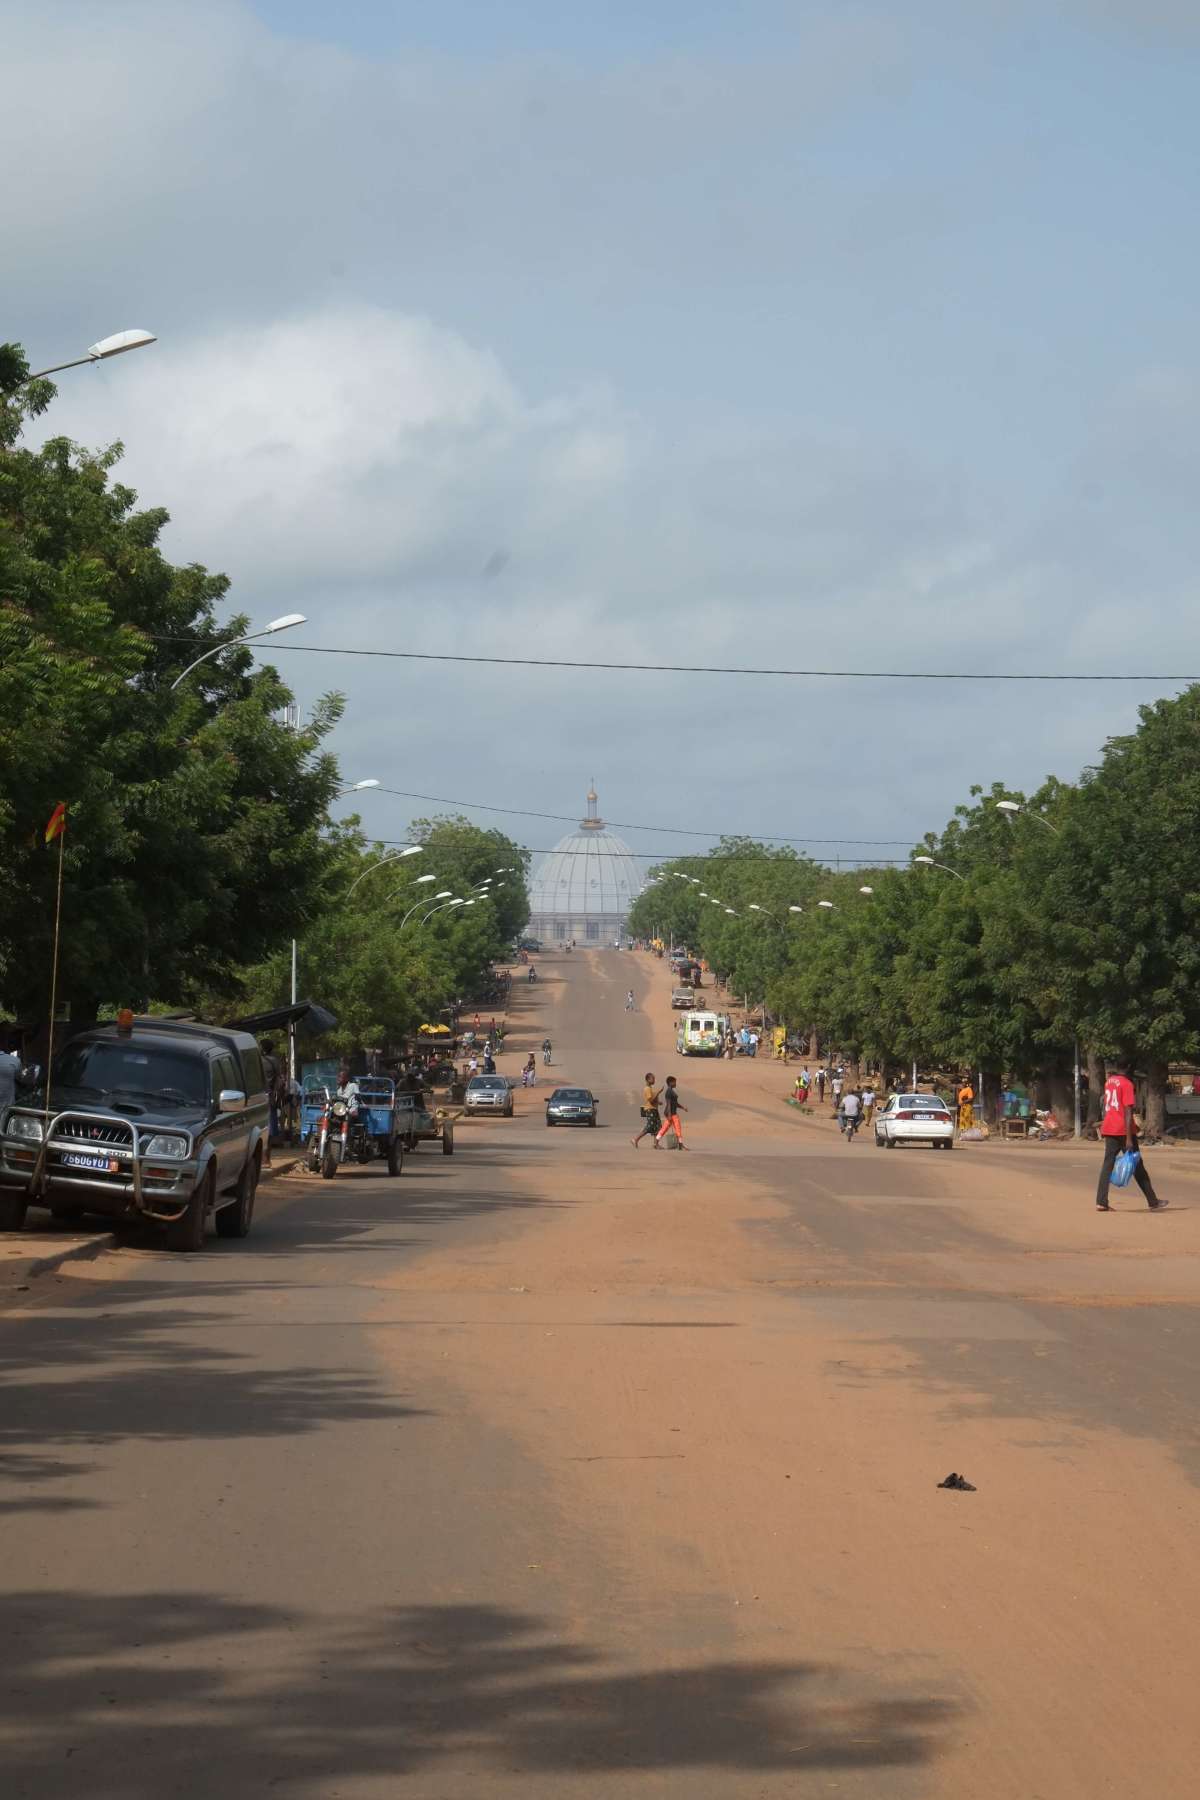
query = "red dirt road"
x=560 y=1467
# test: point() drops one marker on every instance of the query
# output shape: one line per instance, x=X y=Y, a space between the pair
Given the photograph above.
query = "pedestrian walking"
x=672 y=1106
x=868 y=1102
x=821 y=1086
x=546 y=1047
x=753 y=1043
x=835 y=1088
x=629 y=1001
x=529 y=1072
x=850 y=1114
x=1118 y=1131
x=803 y=1084
x=472 y=1064
x=651 y=1120
x=965 y=1099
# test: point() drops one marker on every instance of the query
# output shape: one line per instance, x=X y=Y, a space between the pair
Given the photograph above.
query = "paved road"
x=559 y=1467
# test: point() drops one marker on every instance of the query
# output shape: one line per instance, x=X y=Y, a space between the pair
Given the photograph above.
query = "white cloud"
x=347 y=445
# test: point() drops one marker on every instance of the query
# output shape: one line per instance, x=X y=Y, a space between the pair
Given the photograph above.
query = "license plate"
x=73 y=1160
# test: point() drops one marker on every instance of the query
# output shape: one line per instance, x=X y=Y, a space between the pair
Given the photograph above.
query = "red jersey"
x=1118 y=1094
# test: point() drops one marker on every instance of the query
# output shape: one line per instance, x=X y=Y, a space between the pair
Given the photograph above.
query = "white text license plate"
x=74 y=1160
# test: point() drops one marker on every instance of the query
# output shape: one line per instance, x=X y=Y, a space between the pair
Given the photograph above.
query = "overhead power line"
x=636 y=668
x=521 y=812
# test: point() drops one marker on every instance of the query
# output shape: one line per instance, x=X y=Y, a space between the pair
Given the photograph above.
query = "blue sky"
x=819 y=333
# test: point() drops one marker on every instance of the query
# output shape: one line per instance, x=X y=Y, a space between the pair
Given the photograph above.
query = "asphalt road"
x=555 y=1467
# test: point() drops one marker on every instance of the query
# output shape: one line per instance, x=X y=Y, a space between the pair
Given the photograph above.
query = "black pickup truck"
x=148 y=1118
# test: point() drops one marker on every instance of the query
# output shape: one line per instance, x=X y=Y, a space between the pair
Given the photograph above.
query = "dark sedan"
x=571 y=1106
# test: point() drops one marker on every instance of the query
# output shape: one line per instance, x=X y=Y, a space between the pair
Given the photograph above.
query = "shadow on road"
x=134 y=1366
x=132 y=1697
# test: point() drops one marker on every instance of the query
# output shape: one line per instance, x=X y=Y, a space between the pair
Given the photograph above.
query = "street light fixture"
x=284 y=624
x=117 y=345
x=866 y=890
x=795 y=909
x=929 y=863
x=827 y=904
x=391 y=857
x=359 y=787
x=1011 y=807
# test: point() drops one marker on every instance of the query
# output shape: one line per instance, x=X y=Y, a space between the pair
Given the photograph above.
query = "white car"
x=914 y=1119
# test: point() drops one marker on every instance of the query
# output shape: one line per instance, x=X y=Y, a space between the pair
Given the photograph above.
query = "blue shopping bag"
x=1124 y=1166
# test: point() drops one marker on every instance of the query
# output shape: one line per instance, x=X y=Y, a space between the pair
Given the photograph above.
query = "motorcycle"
x=532 y=975
x=330 y=1144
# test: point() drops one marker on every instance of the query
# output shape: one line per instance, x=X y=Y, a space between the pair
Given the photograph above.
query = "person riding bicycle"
x=532 y=973
x=546 y=1051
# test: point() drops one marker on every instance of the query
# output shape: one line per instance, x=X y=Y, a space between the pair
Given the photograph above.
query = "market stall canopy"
x=305 y=1015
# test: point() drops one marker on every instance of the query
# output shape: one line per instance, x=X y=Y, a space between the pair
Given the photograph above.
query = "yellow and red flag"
x=57 y=822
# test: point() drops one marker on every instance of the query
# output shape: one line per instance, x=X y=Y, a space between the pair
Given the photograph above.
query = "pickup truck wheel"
x=395 y=1157
x=13 y=1208
x=447 y=1140
x=234 y=1221
x=187 y=1232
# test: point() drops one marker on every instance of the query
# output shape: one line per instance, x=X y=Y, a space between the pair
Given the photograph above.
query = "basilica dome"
x=584 y=888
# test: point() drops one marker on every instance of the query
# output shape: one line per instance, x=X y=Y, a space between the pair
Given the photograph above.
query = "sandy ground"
x=560 y=1467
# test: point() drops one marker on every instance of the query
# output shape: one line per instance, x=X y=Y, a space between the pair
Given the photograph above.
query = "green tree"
x=196 y=837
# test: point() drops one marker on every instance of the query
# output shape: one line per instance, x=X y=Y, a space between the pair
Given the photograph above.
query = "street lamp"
x=945 y=867
x=283 y=624
x=443 y=894
x=359 y=787
x=827 y=904
x=391 y=857
x=795 y=909
x=1011 y=807
x=866 y=890
x=117 y=345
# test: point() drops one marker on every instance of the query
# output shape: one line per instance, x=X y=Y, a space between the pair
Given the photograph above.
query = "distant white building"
x=584 y=889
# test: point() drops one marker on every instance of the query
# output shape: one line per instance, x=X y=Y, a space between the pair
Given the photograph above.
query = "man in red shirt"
x=1117 y=1133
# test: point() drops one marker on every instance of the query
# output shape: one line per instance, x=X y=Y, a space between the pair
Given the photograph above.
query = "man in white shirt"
x=850 y=1115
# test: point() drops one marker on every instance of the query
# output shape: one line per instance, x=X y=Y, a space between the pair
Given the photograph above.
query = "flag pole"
x=62 y=841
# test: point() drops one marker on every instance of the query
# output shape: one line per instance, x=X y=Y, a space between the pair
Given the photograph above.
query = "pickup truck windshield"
x=132 y=1069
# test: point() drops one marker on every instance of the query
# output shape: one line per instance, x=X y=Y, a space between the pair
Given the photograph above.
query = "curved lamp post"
x=1011 y=807
x=929 y=863
x=283 y=624
x=117 y=345
x=392 y=856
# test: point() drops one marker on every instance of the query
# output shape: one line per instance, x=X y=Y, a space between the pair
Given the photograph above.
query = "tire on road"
x=186 y=1233
x=235 y=1220
x=13 y=1208
x=395 y=1157
x=447 y=1140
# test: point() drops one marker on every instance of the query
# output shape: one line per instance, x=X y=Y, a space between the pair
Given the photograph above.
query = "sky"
x=850 y=336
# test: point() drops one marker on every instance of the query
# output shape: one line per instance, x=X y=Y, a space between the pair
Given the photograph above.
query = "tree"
x=196 y=824
x=381 y=971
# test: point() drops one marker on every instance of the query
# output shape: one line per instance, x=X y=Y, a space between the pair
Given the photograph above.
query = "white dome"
x=585 y=887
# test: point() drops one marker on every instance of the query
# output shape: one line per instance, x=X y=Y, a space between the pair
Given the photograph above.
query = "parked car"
x=149 y=1118
x=490 y=1093
x=571 y=1106
x=914 y=1119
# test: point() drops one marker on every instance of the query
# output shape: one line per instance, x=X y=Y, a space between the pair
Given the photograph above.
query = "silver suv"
x=490 y=1093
